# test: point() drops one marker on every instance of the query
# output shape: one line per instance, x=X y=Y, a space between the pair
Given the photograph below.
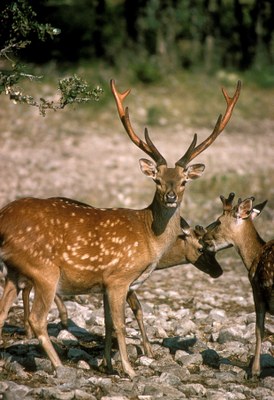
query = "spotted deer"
x=68 y=248
x=235 y=227
x=13 y=285
x=188 y=248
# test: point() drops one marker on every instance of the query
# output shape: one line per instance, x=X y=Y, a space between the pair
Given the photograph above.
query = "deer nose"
x=171 y=196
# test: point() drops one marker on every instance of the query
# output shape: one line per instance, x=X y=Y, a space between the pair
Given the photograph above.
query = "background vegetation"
x=147 y=38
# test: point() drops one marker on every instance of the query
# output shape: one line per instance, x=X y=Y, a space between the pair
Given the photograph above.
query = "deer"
x=235 y=227
x=187 y=249
x=70 y=249
x=13 y=285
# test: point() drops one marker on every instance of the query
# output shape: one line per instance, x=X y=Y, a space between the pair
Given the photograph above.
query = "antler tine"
x=219 y=127
x=159 y=158
x=183 y=161
x=149 y=148
x=228 y=203
x=230 y=101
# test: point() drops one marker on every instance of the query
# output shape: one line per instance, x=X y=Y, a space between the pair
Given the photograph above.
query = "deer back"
x=86 y=244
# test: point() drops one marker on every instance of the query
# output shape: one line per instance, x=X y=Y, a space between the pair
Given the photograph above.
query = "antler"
x=148 y=147
x=193 y=150
x=228 y=203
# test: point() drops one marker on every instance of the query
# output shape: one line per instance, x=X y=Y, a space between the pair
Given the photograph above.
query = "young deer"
x=14 y=283
x=68 y=248
x=188 y=248
x=235 y=228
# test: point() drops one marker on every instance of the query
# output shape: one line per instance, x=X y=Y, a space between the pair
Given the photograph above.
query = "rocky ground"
x=201 y=329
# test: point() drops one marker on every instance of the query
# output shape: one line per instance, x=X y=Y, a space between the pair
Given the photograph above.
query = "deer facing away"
x=68 y=248
x=235 y=227
x=188 y=248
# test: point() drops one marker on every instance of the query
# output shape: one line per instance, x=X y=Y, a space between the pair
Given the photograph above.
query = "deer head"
x=234 y=224
x=170 y=182
x=195 y=251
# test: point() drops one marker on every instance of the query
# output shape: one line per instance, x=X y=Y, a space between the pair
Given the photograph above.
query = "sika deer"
x=14 y=283
x=235 y=228
x=188 y=248
x=68 y=248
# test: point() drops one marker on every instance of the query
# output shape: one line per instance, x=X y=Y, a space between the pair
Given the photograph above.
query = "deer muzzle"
x=171 y=199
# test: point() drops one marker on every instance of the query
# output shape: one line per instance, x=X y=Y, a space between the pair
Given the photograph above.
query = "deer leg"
x=63 y=313
x=10 y=293
x=260 y=318
x=136 y=307
x=108 y=335
x=43 y=298
x=26 y=305
x=259 y=330
x=116 y=300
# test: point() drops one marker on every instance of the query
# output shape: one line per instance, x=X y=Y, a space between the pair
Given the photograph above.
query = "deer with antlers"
x=68 y=248
x=188 y=248
x=235 y=227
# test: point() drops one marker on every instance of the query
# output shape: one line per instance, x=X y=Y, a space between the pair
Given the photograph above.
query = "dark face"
x=207 y=263
x=219 y=234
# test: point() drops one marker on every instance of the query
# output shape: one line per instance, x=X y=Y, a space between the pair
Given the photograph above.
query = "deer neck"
x=249 y=244
x=164 y=220
x=174 y=256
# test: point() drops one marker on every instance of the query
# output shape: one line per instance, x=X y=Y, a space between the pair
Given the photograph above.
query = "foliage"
x=148 y=38
x=22 y=23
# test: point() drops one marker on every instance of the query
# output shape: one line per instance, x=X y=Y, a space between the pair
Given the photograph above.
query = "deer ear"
x=148 y=168
x=256 y=211
x=194 y=171
x=184 y=226
x=245 y=208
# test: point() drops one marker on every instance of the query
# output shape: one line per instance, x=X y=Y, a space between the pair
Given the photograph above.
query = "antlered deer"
x=68 y=248
x=188 y=248
x=235 y=227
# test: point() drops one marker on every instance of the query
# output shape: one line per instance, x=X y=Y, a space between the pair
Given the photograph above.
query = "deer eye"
x=201 y=250
x=183 y=183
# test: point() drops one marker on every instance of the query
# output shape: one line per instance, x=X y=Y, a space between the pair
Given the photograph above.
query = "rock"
x=185 y=328
x=232 y=333
x=17 y=369
x=195 y=389
x=66 y=374
x=169 y=379
x=67 y=337
x=83 y=365
x=145 y=361
x=43 y=364
x=114 y=398
x=190 y=359
x=82 y=395
x=12 y=391
x=217 y=314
